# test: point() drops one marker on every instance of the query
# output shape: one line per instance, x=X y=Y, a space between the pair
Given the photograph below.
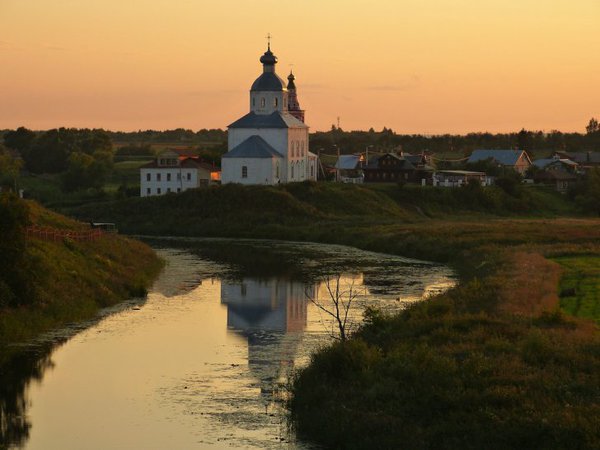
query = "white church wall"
x=263 y=102
x=297 y=154
x=257 y=170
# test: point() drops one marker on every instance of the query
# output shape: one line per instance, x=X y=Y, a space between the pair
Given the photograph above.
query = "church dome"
x=268 y=81
x=268 y=58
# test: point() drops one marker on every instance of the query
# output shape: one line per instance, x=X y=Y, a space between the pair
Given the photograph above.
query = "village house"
x=517 y=160
x=349 y=168
x=585 y=160
x=393 y=167
x=173 y=172
x=556 y=171
x=457 y=178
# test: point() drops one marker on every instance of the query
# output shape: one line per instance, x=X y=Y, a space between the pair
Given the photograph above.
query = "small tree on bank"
x=336 y=304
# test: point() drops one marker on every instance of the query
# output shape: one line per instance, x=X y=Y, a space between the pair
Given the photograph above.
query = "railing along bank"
x=56 y=234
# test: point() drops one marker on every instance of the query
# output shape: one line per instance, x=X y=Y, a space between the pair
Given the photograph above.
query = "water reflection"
x=200 y=363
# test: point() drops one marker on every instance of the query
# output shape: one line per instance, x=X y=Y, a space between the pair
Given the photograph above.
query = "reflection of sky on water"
x=201 y=364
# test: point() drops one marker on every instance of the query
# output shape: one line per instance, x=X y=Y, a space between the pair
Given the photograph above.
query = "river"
x=203 y=361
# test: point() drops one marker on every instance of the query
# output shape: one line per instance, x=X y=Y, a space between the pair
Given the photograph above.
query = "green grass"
x=580 y=286
x=73 y=280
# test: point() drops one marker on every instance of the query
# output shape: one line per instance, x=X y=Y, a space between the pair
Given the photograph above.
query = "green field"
x=580 y=286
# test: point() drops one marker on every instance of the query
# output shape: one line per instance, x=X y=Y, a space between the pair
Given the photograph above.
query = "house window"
x=168 y=190
x=312 y=171
x=189 y=176
x=148 y=177
x=148 y=191
x=158 y=191
x=244 y=171
x=168 y=177
x=158 y=177
x=178 y=190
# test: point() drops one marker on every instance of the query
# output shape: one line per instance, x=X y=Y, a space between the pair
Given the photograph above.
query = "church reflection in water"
x=272 y=315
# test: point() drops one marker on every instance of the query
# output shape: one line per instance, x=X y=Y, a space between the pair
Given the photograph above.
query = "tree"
x=15 y=269
x=592 y=126
x=9 y=168
x=20 y=139
x=85 y=171
x=588 y=196
x=337 y=305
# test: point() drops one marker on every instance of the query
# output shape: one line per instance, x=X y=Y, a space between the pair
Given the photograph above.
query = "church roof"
x=276 y=119
x=268 y=81
x=253 y=147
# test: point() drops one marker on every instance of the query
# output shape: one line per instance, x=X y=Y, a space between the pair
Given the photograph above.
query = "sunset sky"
x=417 y=66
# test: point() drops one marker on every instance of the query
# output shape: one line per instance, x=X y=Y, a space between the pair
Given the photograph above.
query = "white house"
x=269 y=145
x=171 y=172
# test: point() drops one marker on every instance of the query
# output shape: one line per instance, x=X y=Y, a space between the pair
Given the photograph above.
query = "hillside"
x=265 y=211
x=63 y=279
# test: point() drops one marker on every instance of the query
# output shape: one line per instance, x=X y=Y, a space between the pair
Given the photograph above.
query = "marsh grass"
x=580 y=286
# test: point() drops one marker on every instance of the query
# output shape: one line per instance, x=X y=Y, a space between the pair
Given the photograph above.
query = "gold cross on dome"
x=269 y=40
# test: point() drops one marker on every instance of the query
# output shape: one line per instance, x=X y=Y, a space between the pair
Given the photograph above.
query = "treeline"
x=180 y=135
x=84 y=157
x=387 y=139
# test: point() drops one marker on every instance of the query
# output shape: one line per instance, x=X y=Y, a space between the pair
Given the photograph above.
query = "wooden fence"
x=56 y=234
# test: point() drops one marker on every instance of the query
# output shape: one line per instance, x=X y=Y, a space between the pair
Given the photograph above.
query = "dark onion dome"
x=268 y=58
x=291 y=85
x=268 y=81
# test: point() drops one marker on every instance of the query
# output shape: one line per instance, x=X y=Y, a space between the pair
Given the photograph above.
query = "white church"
x=269 y=145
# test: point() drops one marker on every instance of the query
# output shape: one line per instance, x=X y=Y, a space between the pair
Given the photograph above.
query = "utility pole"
x=337 y=169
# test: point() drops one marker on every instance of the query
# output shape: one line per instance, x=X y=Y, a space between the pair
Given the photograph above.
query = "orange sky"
x=417 y=66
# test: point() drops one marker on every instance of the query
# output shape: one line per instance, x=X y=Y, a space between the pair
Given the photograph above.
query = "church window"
x=292 y=170
x=275 y=101
x=189 y=176
x=244 y=171
x=168 y=177
x=262 y=102
x=253 y=101
x=147 y=177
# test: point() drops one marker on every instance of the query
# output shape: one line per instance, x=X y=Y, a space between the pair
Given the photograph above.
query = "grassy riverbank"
x=491 y=364
x=70 y=281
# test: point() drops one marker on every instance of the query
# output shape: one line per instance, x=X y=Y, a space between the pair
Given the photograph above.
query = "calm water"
x=203 y=361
